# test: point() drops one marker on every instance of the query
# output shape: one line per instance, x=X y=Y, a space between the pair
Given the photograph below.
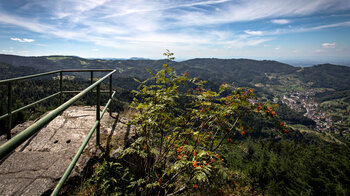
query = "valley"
x=330 y=114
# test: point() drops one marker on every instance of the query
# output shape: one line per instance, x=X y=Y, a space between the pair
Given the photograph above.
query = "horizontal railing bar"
x=28 y=77
x=29 y=105
x=77 y=155
x=86 y=70
x=74 y=161
x=13 y=143
x=53 y=72
x=4 y=116
x=102 y=91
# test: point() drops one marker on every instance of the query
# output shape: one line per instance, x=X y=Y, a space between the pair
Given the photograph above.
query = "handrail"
x=53 y=72
x=17 y=140
x=10 y=81
x=28 y=77
x=77 y=155
x=13 y=143
x=86 y=70
x=29 y=105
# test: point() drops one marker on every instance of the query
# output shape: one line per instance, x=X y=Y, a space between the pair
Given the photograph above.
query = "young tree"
x=180 y=134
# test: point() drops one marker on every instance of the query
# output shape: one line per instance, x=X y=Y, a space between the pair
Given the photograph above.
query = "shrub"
x=181 y=132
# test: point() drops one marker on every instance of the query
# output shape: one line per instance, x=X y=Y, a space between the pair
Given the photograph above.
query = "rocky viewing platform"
x=36 y=166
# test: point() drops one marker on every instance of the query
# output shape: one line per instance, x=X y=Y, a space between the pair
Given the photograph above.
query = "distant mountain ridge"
x=53 y=62
x=272 y=80
x=131 y=58
x=244 y=72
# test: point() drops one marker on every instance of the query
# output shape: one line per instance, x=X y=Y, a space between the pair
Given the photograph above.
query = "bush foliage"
x=181 y=134
x=193 y=141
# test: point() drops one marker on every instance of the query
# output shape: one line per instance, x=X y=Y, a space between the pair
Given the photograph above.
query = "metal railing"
x=9 y=83
x=17 y=140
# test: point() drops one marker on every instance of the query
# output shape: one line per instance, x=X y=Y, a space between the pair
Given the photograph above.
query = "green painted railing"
x=9 y=83
x=17 y=140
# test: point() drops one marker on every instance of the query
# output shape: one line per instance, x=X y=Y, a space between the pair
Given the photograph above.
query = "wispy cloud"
x=297 y=29
x=154 y=6
x=23 y=22
x=250 y=10
x=280 y=21
x=7 y=51
x=22 y=40
x=253 y=32
x=185 y=24
x=347 y=23
x=329 y=45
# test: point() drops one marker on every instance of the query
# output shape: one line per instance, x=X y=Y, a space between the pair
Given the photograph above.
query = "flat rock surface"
x=35 y=167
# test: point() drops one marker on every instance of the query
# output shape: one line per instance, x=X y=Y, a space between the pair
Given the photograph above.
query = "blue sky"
x=260 y=29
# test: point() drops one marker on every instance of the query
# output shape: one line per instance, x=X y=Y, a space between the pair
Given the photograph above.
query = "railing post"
x=61 y=79
x=91 y=80
x=110 y=94
x=98 y=115
x=9 y=110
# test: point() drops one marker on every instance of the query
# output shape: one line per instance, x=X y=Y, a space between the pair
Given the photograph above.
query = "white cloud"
x=280 y=21
x=277 y=48
x=253 y=32
x=22 y=40
x=142 y=6
x=7 y=51
x=95 y=50
x=303 y=29
x=143 y=24
x=240 y=43
x=347 y=23
x=329 y=45
x=23 y=22
x=250 y=10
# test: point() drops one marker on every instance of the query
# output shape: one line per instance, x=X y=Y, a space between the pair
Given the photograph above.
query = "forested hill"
x=222 y=65
x=238 y=70
x=244 y=72
x=10 y=71
x=326 y=76
x=245 y=64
